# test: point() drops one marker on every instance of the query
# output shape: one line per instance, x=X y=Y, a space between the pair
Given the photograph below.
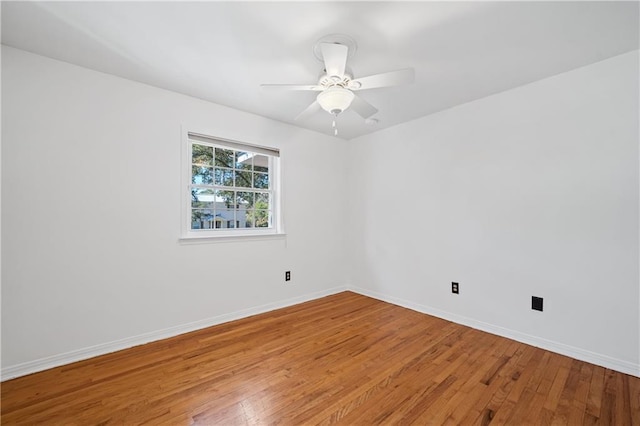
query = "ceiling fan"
x=337 y=84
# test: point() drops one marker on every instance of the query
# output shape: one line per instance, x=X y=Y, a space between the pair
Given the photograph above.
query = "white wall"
x=91 y=216
x=529 y=192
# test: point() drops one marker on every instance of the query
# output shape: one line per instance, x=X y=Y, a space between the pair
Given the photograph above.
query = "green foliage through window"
x=229 y=188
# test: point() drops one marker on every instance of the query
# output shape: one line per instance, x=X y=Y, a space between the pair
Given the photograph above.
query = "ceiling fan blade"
x=392 y=78
x=309 y=111
x=311 y=87
x=362 y=107
x=335 y=58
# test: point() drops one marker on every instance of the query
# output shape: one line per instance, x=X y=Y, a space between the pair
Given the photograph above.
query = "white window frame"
x=214 y=235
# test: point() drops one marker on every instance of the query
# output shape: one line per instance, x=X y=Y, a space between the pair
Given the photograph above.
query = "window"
x=232 y=188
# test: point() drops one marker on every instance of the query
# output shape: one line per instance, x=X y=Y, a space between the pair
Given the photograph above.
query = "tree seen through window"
x=229 y=188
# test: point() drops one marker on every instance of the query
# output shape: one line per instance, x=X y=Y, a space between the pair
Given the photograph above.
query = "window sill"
x=208 y=239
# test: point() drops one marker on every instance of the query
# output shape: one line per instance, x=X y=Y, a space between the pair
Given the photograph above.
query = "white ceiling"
x=223 y=51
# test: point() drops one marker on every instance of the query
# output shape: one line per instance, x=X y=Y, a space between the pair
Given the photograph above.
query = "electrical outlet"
x=287 y=276
x=536 y=303
x=455 y=288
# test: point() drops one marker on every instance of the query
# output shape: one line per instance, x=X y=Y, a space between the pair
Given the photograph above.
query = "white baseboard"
x=560 y=348
x=23 y=369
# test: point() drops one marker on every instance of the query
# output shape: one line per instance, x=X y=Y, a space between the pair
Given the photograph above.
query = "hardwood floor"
x=342 y=359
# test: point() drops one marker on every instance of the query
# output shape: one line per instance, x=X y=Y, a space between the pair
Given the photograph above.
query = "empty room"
x=300 y=213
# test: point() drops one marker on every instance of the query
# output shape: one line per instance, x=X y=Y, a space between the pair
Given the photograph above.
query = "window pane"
x=241 y=217
x=245 y=198
x=201 y=219
x=244 y=160
x=226 y=217
x=202 y=155
x=248 y=220
x=201 y=175
x=262 y=219
x=202 y=198
x=243 y=179
x=261 y=180
x=261 y=163
x=226 y=199
x=258 y=218
x=262 y=200
x=224 y=157
x=224 y=177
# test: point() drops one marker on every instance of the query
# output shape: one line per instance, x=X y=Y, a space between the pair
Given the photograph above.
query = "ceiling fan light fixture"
x=334 y=100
